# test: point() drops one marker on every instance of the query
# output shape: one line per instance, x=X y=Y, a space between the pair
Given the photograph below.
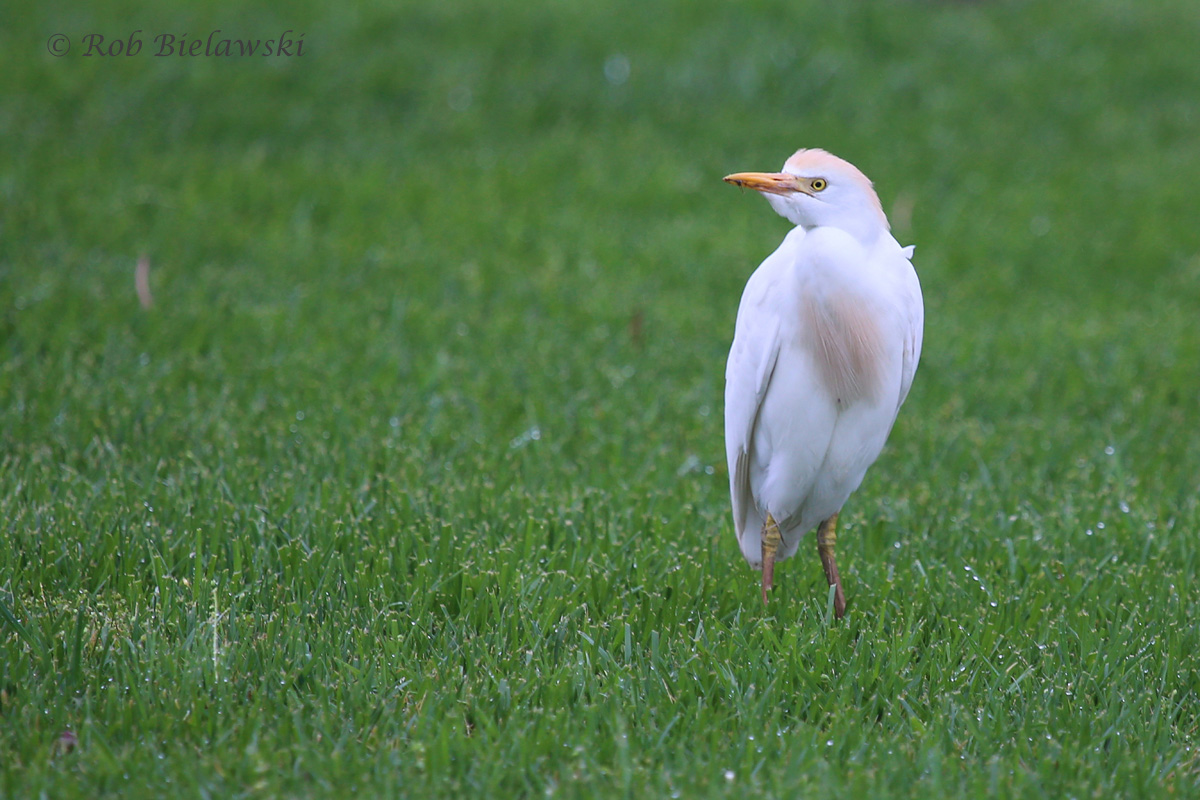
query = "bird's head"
x=819 y=189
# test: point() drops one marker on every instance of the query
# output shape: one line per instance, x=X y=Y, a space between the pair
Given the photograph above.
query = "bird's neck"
x=867 y=233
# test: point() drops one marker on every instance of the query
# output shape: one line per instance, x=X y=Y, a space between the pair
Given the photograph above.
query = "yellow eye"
x=819 y=184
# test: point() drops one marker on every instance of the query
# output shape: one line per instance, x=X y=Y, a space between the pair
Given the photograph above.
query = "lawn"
x=406 y=477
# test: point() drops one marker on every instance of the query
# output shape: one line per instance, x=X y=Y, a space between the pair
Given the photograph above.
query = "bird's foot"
x=826 y=542
x=771 y=539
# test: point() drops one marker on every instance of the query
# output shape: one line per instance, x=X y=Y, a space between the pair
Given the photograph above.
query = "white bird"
x=827 y=342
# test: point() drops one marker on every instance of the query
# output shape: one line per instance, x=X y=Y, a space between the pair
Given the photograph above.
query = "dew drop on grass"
x=1108 y=451
x=531 y=435
x=1124 y=507
x=459 y=98
x=729 y=775
x=616 y=69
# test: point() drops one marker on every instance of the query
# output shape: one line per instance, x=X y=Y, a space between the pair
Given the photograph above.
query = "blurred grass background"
x=411 y=480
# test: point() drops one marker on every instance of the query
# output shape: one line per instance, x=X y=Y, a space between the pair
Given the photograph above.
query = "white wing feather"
x=914 y=336
x=748 y=373
x=747 y=376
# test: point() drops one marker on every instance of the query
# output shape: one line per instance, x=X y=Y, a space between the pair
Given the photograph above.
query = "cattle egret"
x=827 y=341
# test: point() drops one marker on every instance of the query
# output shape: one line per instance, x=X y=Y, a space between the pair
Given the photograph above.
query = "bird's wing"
x=914 y=309
x=748 y=373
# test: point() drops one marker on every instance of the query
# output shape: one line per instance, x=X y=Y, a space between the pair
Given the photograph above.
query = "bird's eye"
x=819 y=184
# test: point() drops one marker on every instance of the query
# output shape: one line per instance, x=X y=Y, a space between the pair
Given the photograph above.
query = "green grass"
x=411 y=481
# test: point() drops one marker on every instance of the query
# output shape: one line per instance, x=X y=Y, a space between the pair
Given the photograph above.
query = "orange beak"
x=769 y=182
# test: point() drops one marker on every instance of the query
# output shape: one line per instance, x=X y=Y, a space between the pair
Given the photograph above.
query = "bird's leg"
x=771 y=539
x=826 y=541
